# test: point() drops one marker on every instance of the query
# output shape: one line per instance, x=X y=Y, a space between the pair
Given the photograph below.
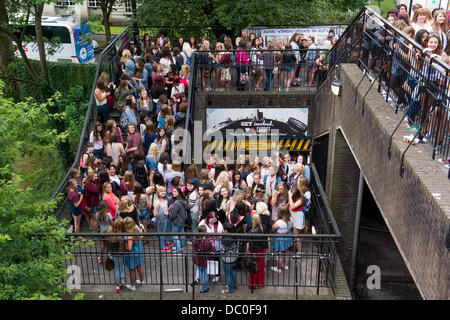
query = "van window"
x=49 y=32
x=62 y=33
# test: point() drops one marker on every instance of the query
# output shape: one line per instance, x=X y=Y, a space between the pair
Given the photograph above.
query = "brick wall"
x=418 y=221
x=344 y=194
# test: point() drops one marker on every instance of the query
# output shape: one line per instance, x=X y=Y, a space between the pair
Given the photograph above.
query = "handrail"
x=398 y=46
x=89 y=113
x=327 y=206
x=189 y=112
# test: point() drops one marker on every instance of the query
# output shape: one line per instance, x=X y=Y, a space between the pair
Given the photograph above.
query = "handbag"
x=109 y=264
x=225 y=75
x=275 y=70
x=212 y=268
x=244 y=77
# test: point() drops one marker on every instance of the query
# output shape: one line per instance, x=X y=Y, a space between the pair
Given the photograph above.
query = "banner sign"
x=252 y=129
x=83 y=42
x=284 y=35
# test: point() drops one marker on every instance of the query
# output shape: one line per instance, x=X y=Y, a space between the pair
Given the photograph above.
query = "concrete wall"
x=417 y=221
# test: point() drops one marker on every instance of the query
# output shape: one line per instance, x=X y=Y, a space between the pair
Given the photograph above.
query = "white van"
x=76 y=43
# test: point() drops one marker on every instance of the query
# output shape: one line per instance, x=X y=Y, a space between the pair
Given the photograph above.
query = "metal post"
x=356 y=231
x=135 y=27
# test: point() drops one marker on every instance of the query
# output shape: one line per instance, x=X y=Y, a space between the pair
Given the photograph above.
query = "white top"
x=166 y=66
x=250 y=179
x=283 y=227
x=427 y=26
x=211 y=230
x=177 y=89
x=115 y=179
x=161 y=170
x=193 y=199
x=98 y=144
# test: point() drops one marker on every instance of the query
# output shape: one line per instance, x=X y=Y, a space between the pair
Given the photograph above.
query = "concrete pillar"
x=344 y=179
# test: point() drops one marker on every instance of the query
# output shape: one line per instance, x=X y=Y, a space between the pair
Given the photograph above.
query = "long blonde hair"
x=128 y=177
x=223 y=180
x=125 y=204
x=126 y=55
x=256 y=221
x=153 y=151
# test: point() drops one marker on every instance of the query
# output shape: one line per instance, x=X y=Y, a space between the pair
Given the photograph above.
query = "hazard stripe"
x=305 y=147
x=300 y=143
x=237 y=144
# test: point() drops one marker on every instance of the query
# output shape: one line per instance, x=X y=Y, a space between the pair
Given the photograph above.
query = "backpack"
x=82 y=170
x=189 y=59
x=123 y=120
x=307 y=208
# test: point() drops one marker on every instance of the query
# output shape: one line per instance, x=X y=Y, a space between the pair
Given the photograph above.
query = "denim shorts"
x=144 y=214
x=287 y=68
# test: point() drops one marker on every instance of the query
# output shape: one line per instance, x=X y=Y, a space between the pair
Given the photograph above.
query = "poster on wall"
x=290 y=125
x=284 y=35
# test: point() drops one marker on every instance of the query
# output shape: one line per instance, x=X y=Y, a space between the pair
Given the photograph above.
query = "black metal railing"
x=410 y=78
x=106 y=63
x=314 y=268
x=261 y=70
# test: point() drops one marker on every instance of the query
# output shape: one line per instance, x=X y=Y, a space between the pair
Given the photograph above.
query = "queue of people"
x=126 y=181
x=409 y=67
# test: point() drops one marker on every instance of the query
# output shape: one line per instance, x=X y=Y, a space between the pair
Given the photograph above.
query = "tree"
x=33 y=244
x=107 y=7
x=12 y=29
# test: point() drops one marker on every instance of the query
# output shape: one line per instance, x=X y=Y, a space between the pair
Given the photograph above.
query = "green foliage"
x=234 y=15
x=73 y=106
x=63 y=76
x=33 y=246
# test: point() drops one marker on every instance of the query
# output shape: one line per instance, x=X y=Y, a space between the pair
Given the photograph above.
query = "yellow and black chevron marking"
x=294 y=144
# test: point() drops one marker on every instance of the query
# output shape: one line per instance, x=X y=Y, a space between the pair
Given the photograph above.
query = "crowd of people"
x=408 y=67
x=126 y=181
x=137 y=191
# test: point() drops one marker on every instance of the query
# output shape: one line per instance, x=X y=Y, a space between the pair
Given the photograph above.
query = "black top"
x=133 y=214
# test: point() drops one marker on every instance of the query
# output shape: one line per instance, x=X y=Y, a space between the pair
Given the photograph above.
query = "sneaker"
x=275 y=269
x=131 y=287
x=286 y=267
x=409 y=127
x=206 y=290
x=117 y=289
x=138 y=282
x=216 y=279
x=226 y=291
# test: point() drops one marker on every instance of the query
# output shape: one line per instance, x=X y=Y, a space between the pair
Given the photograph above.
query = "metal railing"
x=106 y=63
x=261 y=70
x=410 y=78
x=314 y=269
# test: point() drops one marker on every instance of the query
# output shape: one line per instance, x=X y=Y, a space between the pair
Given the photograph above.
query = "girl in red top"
x=91 y=193
x=111 y=198
x=242 y=60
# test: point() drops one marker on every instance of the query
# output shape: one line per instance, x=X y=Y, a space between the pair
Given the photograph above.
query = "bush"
x=63 y=76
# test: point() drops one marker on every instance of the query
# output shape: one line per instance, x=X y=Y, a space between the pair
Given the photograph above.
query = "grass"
x=384 y=5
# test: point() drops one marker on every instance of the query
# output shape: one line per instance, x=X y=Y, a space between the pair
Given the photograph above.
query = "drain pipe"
x=356 y=231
